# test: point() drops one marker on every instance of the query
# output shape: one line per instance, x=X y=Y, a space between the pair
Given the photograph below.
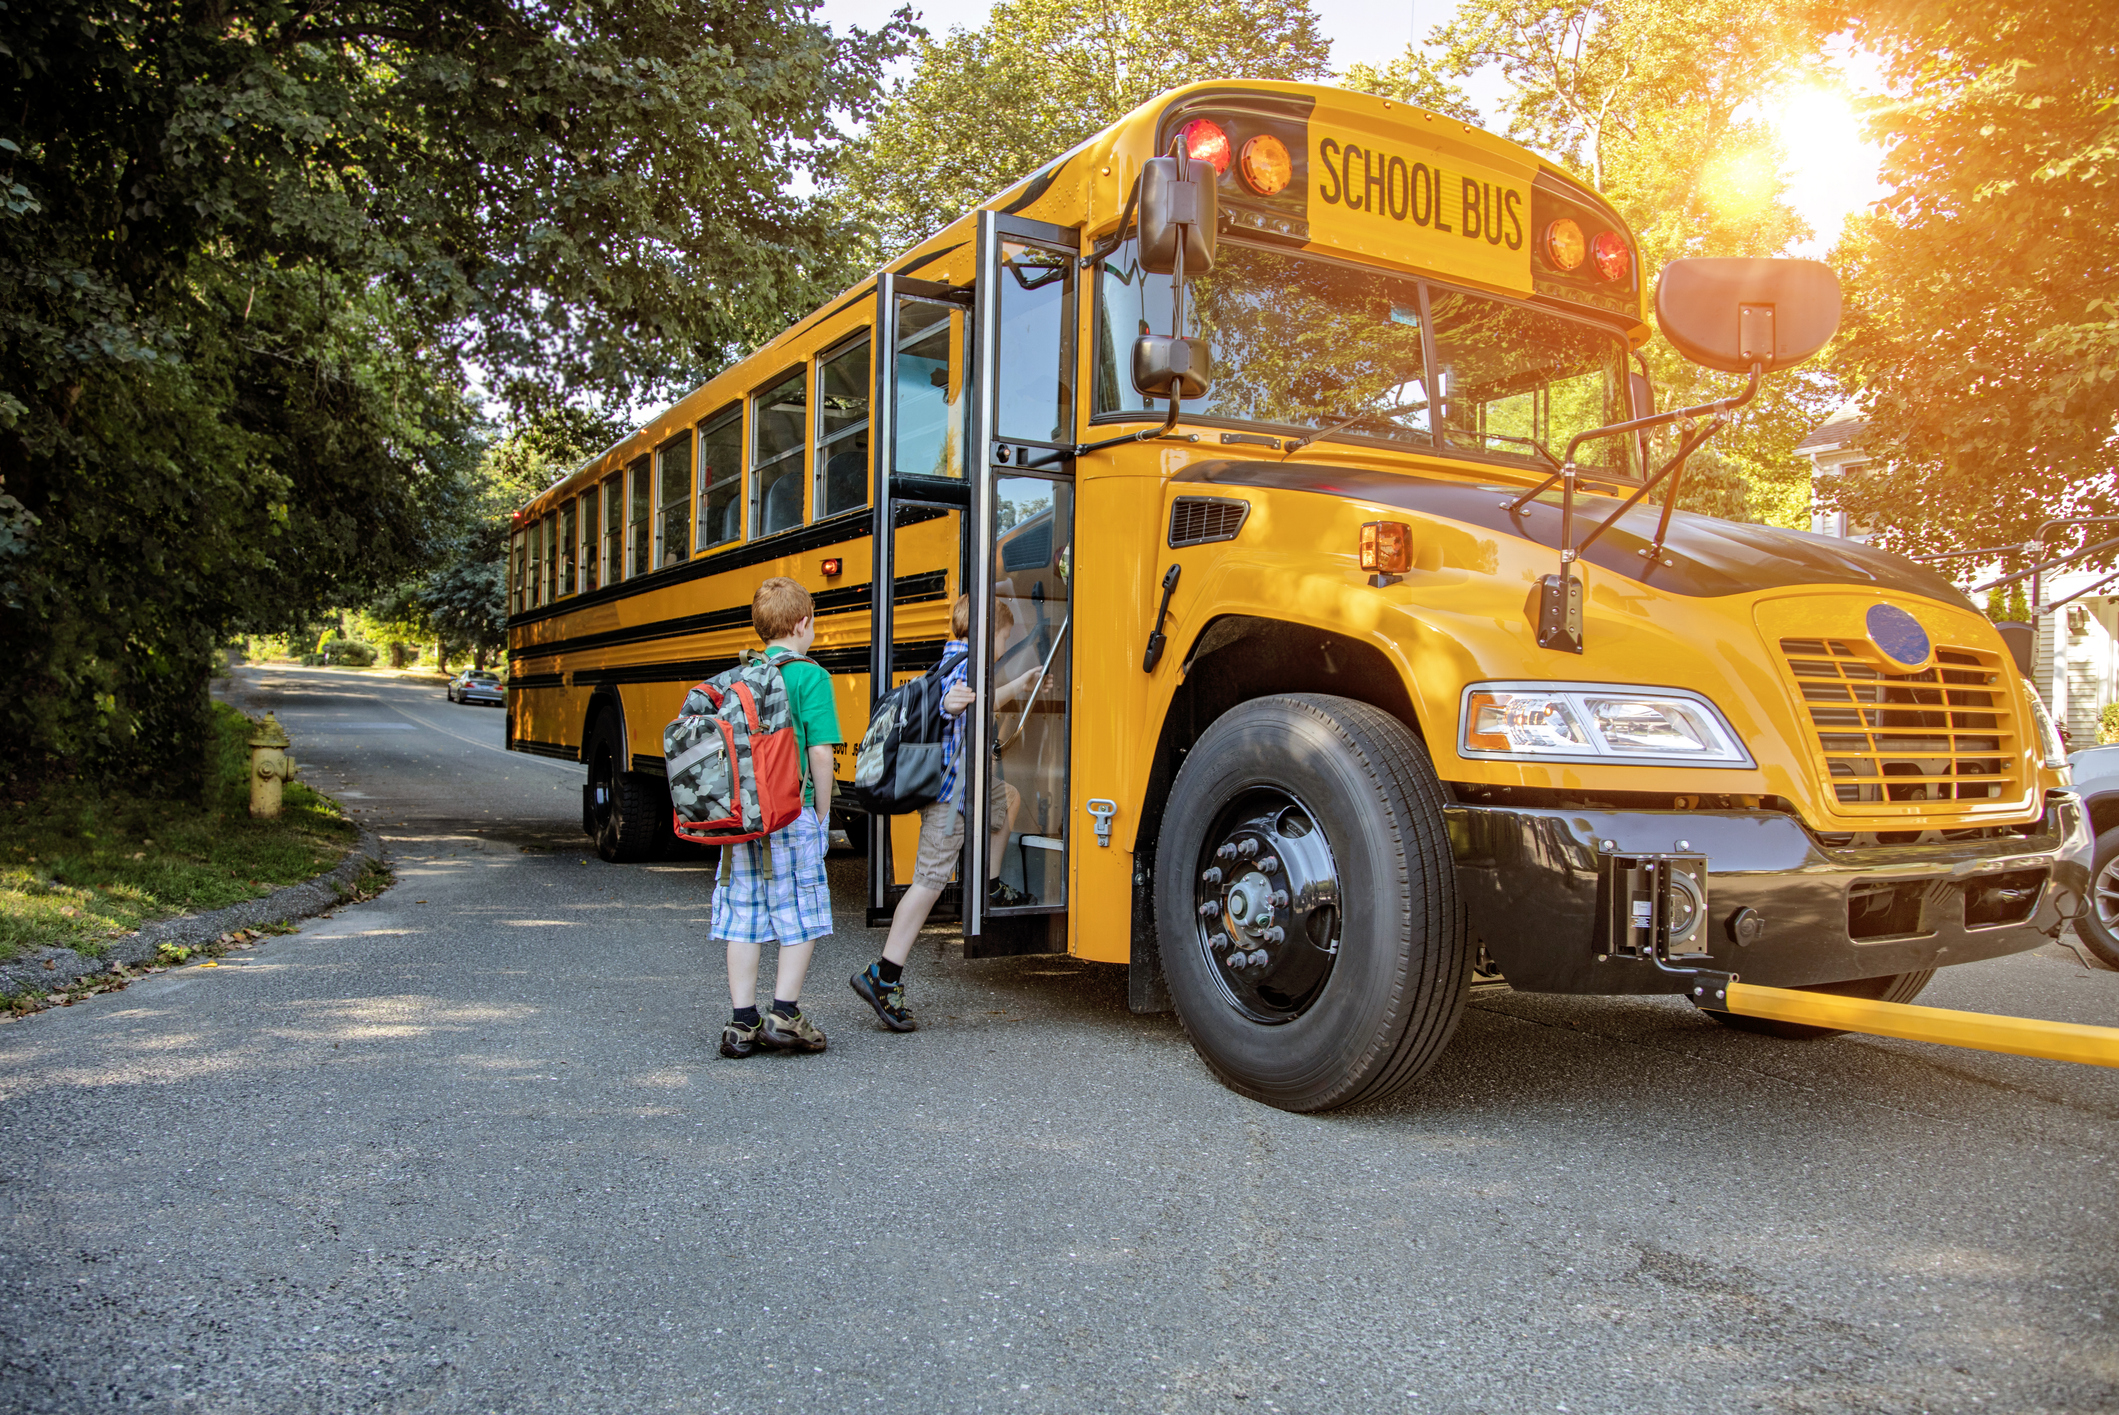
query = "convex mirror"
x=1170 y=206
x=1165 y=368
x=1728 y=313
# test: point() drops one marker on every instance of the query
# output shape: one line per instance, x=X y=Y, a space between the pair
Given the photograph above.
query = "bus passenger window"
x=536 y=576
x=637 y=530
x=517 y=569
x=842 y=431
x=1035 y=345
x=614 y=529
x=551 y=558
x=721 y=480
x=928 y=383
x=673 y=535
x=566 y=548
x=779 y=421
x=1519 y=382
x=590 y=520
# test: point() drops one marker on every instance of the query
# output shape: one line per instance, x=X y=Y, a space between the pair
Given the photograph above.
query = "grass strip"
x=80 y=866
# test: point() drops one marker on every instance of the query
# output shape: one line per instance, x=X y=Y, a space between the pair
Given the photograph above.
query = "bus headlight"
x=1596 y=722
x=2052 y=747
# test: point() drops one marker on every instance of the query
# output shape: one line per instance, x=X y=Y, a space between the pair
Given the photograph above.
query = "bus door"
x=1015 y=871
x=922 y=426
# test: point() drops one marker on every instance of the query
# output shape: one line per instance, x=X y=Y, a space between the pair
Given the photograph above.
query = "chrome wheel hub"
x=1267 y=904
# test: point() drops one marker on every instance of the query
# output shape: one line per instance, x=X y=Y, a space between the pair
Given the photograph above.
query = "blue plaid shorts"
x=793 y=904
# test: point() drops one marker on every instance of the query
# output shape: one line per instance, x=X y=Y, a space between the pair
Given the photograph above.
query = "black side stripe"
x=911 y=589
x=544 y=749
x=915 y=656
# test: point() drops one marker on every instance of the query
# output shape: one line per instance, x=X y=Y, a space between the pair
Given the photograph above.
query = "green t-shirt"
x=816 y=713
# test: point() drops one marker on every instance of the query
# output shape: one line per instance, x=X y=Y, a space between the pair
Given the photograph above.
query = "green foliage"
x=349 y=653
x=1651 y=102
x=2108 y=723
x=248 y=251
x=78 y=865
x=1413 y=77
x=2010 y=605
x=984 y=107
x=1983 y=311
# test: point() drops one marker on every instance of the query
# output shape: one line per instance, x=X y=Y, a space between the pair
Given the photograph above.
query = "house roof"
x=1846 y=425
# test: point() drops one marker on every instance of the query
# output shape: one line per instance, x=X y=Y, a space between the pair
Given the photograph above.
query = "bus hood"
x=1713 y=557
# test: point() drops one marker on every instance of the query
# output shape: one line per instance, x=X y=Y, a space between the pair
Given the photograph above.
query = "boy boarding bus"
x=1300 y=434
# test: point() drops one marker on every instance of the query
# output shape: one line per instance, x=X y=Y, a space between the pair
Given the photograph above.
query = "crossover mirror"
x=1729 y=314
x=1170 y=368
x=1173 y=207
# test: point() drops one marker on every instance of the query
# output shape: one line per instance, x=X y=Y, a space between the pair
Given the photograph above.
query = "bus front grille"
x=1887 y=739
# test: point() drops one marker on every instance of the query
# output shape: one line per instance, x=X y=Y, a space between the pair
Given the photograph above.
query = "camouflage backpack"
x=734 y=770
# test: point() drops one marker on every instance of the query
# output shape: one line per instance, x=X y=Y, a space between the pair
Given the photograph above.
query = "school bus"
x=1293 y=443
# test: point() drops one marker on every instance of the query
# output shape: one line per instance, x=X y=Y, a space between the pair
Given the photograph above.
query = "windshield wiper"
x=1301 y=442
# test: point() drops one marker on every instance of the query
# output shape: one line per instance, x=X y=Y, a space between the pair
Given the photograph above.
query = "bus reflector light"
x=1564 y=245
x=1610 y=256
x=834 y=567
x=1265 y=165
x=1205 y=142
x=1387 y=546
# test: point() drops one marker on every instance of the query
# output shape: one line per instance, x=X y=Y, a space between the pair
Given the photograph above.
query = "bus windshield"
x=1304 y=345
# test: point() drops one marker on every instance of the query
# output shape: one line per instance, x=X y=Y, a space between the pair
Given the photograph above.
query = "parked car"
x=2097 y=778
x=476 y=685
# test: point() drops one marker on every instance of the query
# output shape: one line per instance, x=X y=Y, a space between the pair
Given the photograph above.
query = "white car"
x=476 y=685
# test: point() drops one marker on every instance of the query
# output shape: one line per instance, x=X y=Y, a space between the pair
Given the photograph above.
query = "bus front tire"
x=1892 y=987
x=626 y=812
x=1323 y=816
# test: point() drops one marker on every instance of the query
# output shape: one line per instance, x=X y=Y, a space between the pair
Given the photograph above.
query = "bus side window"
x=590 y=520
x=779 y=424
x=536 y=576
x=721 y=479
x=566 y=548
x=928 y=383
x=614 y=529
x=637 y=529
x=551 y=558
x=673 y=532
x=519 y=570
x=842 y=430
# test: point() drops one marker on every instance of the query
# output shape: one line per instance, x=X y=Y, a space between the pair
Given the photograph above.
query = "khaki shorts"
x=942 y=834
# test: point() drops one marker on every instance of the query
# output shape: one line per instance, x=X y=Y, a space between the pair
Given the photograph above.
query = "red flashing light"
x=1610 y=256
x=834 y=567
x=1205 y=142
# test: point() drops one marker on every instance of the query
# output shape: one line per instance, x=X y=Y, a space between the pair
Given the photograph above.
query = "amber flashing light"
x=1387 y=546
x=1564 y=245
x=1264 y=165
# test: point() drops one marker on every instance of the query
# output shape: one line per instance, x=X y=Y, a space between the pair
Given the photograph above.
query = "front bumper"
x=1536 y=886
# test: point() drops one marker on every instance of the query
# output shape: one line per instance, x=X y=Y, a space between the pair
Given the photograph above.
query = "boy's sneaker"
x=796 y=1033
x=1005 y=896
x=888 y=999
x=739 y=1039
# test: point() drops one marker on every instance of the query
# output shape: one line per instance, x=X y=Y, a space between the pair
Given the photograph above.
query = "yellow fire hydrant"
x=270 y=764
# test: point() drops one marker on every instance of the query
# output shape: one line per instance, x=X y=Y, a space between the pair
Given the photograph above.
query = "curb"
x=49 y=969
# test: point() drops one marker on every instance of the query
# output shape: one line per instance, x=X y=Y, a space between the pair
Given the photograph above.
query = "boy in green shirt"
x=793 y=903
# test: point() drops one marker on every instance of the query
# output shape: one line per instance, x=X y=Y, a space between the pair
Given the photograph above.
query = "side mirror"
x=1727 y=313
x=1168 y=206
x=1169 y=368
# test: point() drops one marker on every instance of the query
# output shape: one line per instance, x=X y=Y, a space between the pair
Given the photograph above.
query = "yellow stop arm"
x=1981 y=1031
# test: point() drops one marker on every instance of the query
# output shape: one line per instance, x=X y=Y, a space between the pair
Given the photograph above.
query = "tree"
x=1651 y=103
x=1983 y=310
x=985 y=107
x=249 y=250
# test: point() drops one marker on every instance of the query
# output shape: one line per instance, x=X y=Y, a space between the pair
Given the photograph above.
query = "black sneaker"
x=739 y=1038
x=888 y=999
x=1005 y=896
x=796 y=1033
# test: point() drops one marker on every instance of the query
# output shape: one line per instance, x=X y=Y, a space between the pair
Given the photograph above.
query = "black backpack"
x=899 y=766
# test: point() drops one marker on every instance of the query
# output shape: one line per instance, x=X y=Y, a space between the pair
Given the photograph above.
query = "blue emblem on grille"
x=1898 y=634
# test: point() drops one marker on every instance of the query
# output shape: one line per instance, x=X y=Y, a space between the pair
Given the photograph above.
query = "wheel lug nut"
x=1226 y=852
x=1280 y=899
x=1212 y=876
x=1258 y=959
x=1268 y=865
x=1218 y=942
x=1210 y=910
x=1247 y=849
x=1275 y=935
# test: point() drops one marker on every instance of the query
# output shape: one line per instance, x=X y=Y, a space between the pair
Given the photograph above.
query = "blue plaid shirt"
x=953 y=739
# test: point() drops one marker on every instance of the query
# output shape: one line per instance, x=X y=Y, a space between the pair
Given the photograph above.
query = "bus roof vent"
x=1197 y=520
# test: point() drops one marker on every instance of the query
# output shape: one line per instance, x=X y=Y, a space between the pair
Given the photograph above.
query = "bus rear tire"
x=1323 y=816
x=626 y=812
x=1892 y=987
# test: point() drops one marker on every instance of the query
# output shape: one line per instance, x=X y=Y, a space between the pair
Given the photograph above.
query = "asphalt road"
x=468 y=1147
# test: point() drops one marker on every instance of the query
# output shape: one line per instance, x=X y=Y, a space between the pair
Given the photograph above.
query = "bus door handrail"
x=1030 y=699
